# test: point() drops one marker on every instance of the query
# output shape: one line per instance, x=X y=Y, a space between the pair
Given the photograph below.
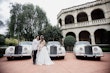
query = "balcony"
x=86 y=24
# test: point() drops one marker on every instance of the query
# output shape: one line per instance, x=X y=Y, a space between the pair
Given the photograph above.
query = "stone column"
x=77 y=37
x=90 y=19
x=75 y=20
x=63 y=22
x=92 y=39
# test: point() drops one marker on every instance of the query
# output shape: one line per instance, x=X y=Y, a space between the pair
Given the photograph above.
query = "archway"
x=84 y=36
x=69 y=19
x=71 y=33
x=97 y=14
x=102 y=36
x=60 y=22
x=81 y=17
x=70 y=48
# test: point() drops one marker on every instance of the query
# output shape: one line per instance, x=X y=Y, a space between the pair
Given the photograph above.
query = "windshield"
x=25 y=43
x=82 y=42
x=53 y=42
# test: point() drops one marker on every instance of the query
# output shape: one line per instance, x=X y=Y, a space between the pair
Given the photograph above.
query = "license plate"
x=89 y=55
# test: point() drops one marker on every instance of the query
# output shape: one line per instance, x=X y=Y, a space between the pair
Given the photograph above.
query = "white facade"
x=89 y=21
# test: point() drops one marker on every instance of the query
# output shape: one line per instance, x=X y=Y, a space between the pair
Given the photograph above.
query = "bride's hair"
x=41 y=37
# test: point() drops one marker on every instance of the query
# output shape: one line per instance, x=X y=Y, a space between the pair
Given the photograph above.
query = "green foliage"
x=52 y=33
x=11 y=41
x=69 y=41
x=14 y=21
x=106 y=49
x=26 y=20
x=1 y=24
x=2 y=40
x=2 y=51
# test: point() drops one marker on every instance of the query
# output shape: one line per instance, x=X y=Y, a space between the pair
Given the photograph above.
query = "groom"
x=35 y=44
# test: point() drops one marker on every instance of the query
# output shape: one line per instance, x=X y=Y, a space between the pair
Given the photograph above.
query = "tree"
x=26 y=20
x=2 y=39
x=69 y=42
x=14 y=26
x=1 y=23
x=52 y=33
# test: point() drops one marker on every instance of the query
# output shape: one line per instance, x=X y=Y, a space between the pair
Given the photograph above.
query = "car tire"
x=78 y=57
x=9 y=58
x=98 y=58
x=30 y=57
x=62 y=57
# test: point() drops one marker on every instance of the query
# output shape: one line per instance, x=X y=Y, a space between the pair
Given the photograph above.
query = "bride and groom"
x=40 y=53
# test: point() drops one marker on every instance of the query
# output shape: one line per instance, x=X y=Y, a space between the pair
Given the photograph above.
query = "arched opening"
x=81 y=17
x=84 y=36
x=69 y=19
x=60 y=22
x=70 y=48
x=108 y=37
x=97 y=14
x=71 y=33
x=102 y=36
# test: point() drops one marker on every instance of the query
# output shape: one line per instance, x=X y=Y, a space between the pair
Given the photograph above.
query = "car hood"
x=83 y=45
x=48 y=46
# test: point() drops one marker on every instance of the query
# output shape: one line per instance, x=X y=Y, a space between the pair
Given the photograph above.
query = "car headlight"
x=25 y=48
x=95 y=49
x=59 y=48
x=11 y=49
x=81 y=49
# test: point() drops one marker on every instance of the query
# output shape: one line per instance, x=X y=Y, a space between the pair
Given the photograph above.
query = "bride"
x=42 y=55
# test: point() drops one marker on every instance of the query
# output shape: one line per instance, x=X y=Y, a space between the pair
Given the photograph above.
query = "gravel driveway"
x=69 y=65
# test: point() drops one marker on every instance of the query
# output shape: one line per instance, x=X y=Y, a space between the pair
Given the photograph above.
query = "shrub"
x=11 y=41
x=69 y=42
x=2 y=40
x=2 y=51
x=105 y=48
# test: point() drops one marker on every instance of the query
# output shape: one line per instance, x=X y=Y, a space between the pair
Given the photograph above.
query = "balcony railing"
x=87 y=23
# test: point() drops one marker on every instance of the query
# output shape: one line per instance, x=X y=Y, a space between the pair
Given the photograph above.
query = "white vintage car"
x=55 y=49
x=85 y=49
x=23 y=49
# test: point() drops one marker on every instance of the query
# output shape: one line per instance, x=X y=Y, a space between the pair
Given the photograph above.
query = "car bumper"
x=16 y=55
x=89 y=55
x=56 y=55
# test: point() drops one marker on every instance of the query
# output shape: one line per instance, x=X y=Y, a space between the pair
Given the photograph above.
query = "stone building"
x=87 y=22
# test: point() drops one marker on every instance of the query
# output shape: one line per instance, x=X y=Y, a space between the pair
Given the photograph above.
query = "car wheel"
x=78 y=57
x=98 y=58
x=30 y=57
x=62 y=57
x=9 y=58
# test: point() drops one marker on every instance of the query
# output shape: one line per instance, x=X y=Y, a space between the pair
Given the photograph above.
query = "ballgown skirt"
x=43 y=57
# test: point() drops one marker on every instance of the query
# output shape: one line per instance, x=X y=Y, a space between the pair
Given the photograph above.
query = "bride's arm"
x=42 y=45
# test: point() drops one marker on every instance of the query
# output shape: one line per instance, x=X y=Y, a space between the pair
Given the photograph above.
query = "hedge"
x=69 y=42
x=2 y=51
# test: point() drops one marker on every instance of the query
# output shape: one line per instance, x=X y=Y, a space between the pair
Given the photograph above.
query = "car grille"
x=53 y=50
x=18 y=49
x=88 y=50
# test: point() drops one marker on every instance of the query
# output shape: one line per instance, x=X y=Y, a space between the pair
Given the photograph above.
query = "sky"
x=51 y=7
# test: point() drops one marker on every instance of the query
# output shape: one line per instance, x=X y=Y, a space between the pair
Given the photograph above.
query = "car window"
x=25 y=43
x=82 y=42
x=49 y=43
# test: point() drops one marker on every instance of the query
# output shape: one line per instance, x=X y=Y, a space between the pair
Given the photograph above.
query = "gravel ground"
x=69 y=65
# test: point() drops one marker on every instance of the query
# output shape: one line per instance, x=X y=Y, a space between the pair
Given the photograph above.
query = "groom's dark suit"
x=34 y=56
x=35 y=44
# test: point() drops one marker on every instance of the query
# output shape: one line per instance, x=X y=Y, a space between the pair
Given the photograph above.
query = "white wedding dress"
x=43 y=57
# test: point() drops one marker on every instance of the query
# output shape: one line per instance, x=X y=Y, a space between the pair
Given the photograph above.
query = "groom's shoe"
x=34 y=63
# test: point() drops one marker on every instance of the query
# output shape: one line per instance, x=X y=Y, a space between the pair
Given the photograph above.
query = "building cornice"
x=82 y=6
